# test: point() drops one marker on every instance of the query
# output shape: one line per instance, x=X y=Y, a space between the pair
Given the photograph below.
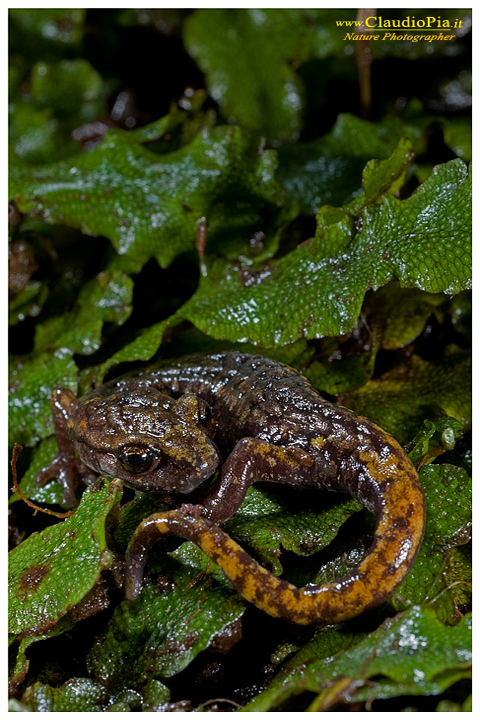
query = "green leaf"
x=86 y=695
x=28 y=303
x=158 y=128
x=461 y=314
x=133 y=512
x=433 y=439
x=400 y=314
x=381 y=176
x=70 y=87
x=266 y=523
x=106 y=298
x=32 y=380
x=247 y=57
x=22 y=662
x=144 y=346
x=61 y=96
x=458 y=135
x=318 y=288
x=149 y=205
x=458 y=576
x=76 y=695
x=392 y=317
x=448 y=493
x=52 y=26
x=52 y=493
x=410 y=654
x=329 y=170
x=44 y=583
x=400 y=400
x=160 y=633
x=36 y=136
x=346 y=363
x=429 y=234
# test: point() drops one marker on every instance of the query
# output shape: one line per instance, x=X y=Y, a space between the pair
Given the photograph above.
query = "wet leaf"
x=401 y=314
x=32 y=380
x=28 y=303
x=36 y=136
x=149 y=205
x=51 y=493
x=145 y=344
x=247 y=58
x=71 y=87
x=410 y=654
x=22 y=662
x=106 y=298
x=343 y=365
x=318 y=288
x=328 y=171
x=159 y=634
x=461 y=314
x=458 y=136
x=448 y=492
x=77 y=695
x=269 y=522
x=433 y=439
x=364 y=308
x=400 y=400
x=44 y=583
x=85 y=695
x=56 y=26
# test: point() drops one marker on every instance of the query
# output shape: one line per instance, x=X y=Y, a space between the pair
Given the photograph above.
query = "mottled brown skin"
x=169 y=428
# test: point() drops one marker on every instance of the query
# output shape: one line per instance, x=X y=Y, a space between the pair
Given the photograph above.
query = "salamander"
x=170 y=428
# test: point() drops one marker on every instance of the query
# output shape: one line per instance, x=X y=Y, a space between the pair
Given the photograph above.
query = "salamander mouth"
x=169 y=479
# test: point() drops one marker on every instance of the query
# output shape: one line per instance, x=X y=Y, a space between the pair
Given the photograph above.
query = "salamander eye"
x=136 y=459
x=205 y=413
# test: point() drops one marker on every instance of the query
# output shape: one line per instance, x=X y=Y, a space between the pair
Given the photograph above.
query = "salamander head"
x=147 y=439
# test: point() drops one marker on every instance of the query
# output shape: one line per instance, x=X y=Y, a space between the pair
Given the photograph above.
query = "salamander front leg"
x=65 y=466
x=252 y=461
